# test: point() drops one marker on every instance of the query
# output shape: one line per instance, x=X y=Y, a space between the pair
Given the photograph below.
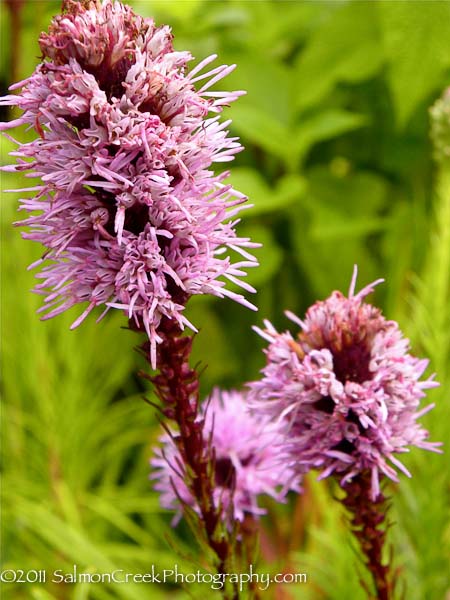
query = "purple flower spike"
x=346 y=389
x=128 y=207
x=248 y=460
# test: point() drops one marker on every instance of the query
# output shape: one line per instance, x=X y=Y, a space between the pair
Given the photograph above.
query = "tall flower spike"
x=128 y=208
x=248 y=460
x=347 y=390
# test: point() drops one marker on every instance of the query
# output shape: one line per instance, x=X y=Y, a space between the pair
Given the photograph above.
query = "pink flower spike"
x=129 y=209
x=347 y=387
x=248 y=460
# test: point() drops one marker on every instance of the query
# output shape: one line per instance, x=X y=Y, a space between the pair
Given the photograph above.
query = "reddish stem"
x=177 y=386
x=15 y=8
x=368 y=522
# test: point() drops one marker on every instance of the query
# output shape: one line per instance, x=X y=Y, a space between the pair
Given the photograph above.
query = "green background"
x=339 y=167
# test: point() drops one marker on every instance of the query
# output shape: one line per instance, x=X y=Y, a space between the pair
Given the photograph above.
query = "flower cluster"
x=346 y=389
x=127 y=206
x=247 y=456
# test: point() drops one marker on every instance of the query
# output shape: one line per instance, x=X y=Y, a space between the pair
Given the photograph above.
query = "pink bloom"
x=249 y=460
x=346 y=389
x=127 y=206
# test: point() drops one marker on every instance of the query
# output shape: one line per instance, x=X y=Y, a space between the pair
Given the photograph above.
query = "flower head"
x=248 y=460
x=346 y=389
x=127 y=206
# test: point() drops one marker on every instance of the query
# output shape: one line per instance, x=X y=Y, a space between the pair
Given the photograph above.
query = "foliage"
x=338 y=165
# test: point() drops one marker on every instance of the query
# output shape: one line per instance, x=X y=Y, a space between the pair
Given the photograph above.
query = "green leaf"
x=81 y=591
x=323 y=126
x=42 y=594
x=76 y=547
x=279 y=140
x=6 y=146
x=265 y=198
x=345 y=48
x=336 y=227
x=416 y=43
x=290 y=189
x=268 y=85
x=118 y=519
x=337 y=214
x=397 y=248
x=269 y=255
x=431 y=326
x=173 y=10
x=263 y=130
x=354 y=194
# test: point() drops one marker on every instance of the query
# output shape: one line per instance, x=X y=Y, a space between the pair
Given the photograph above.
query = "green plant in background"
x=338 y=167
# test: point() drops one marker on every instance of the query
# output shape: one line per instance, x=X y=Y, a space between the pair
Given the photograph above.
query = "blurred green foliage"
x=338 y=165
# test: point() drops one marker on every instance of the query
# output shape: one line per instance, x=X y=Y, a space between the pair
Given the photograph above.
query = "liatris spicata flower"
x=127 y=206
x=348 y=392
x=347 y=389
x=247 y=460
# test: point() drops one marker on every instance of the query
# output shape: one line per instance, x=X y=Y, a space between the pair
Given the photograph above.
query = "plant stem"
x=368 y=526
x=15 y=8
x=177 y=386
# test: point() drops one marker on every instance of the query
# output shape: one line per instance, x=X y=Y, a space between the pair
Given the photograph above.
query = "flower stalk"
x=368 y=525
x=177 y=386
